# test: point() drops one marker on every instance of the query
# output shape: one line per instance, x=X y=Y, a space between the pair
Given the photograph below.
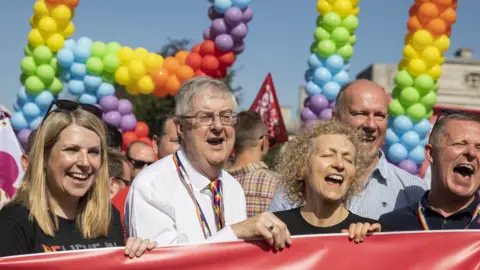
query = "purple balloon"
x=239 y=32
x=219 y=26
x=306 y=102
x=113 y=117
x=325 y=114
x=128 y=122
x=124 y=106
x=408 y=166
x=109 y=103
x=212 y=14
x=224 y=42
x=238 y=47
x=23 y=136
x=307 y=114
x=206 y=34
x=233 y=16
x=332 y=104
x=247 y=15
x=318 y=103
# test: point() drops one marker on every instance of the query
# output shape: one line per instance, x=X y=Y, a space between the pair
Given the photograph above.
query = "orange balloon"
x=414 y=24
x=427 y=11
x=159 y=77
x=128 y=138
x=443 y=2
x=172 y=85
x=142 y=129
x=227 y=59
x=207 y=48
x=160 y=92
x=449 y=16
x=413 y=10
x=210 y=63
x=53 y=2
x=184 y=73
x=449 y=31
x=196 y=48
x=71 y=3
x=437 y=27
x=194 y=60
x=181 y=56
x=145 y=139
x=171 y=64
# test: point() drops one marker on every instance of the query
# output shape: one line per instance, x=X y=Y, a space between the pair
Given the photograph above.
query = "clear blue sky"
x=278 y=41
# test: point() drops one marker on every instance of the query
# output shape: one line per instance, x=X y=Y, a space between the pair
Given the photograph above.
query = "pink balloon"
x=325 y=114
x=124 y=106
x=109 y=103
x=247 y=15
x=113 y=117
x=128 y=122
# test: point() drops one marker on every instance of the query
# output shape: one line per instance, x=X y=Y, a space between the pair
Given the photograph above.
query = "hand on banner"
x=267 y=226
x=358 y=231
x=135 y=246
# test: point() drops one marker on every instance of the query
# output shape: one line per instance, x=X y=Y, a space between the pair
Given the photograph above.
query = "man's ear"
x=335 y=114
x=179 y=127
x=155 y=143
x=429 y=152
x=111 y=180
x=24 y=161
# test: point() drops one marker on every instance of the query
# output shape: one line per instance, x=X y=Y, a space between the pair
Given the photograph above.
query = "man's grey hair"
x=438 y=130
x=340 y=100
x=195 y=86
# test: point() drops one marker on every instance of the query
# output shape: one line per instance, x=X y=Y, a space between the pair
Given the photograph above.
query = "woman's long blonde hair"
x=95 y=210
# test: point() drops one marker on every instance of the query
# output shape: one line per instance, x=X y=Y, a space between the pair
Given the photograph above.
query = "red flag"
x=266 y=104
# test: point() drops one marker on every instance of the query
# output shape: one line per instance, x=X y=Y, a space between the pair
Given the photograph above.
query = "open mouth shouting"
x=216 y=142
x=464 y=170
x=334 y=179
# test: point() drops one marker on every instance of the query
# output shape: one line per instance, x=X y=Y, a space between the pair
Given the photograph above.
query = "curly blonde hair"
x=293 y=163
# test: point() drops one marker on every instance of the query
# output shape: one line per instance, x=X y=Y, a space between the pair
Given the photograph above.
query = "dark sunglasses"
x=138 y=164
x=70 y=106
x=126 y=182
x=271 y=140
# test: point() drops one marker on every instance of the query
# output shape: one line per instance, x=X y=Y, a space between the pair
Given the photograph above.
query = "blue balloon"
x=417 y=155
x=44 y=99
x=422 y=128
x=423 y=142
x=92 y=83
x=30 y=110
x=22 y=96
x=321 y=76
x=18 y=121
x=391 y=137
x=410 y=139
x=76 y=87
x=105 y=89
x=66 y=76
x=221 y=6
x=330 y=90
x=402 y=124
x=308 y=76
x=312 y=88
x=81 y=53
x=78 y=71
x=346 y=66
x=36 y=123
x=70 y=44
x=17 y=107
x=87 y=99
x=65 y=58
x=334 y=63
x=341 y=78
x=314 y=61
x=84 y=41
x=241 y=3
x=397 y=152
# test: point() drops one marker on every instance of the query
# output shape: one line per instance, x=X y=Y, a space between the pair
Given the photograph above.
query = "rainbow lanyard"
x=424 y=223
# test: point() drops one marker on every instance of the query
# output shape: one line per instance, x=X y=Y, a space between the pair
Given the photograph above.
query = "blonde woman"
x=320 y=170
x=63 y=202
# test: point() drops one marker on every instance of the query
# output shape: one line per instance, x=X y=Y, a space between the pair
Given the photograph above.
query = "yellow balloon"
x=354 y=2
x=61 y=13
x=431 y=54
x=323 y=7
x=417 y=67
x=421 y=39
x=125 y=54
x=435 y=72
x=136 y=69
x=141 y=54
x=40 y=8
x=132 y=89
x=409 y=52
x=34 y=21
x=403 y=64
x=407 y=39
x=35 y=38
x=145 y=85
x=122 y=76
x=55 y=42
x=441 y=61
x=355 y=11
x=442 y=43
x=69 y=30
x=342 y=7
x=48 y=25
x=153 y=61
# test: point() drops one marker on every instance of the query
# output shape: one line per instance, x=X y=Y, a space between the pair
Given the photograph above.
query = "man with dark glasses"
x=120 y=172
x=453 y=152
x=140 y=155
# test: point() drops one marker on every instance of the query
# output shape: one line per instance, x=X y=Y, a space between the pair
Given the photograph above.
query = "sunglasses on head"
x=66 y=105
x=139 y=164
x=126 y=182
x=446 y=112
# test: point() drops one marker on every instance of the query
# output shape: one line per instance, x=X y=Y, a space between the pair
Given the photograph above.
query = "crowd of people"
x=80 y=191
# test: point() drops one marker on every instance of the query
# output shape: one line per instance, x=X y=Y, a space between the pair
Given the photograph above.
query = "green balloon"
x=94 y=66
x=352 y=40
x=46 y=73
x=34 y=85
x=409 y=96
x=28 y=66
x=403 y=79
x=331 y=20
x=23 y=78
x=340 y=36
x=351 y=23
x=321 y=34
x=28 y=50
x=98 y=49
x=395 y=108
x=111 y=63
x=346 y=52
x=417 y=112
x=314 y=47
x=326 y=48
x=42 y=55
x=319 y=21
x=429 y=114
x=429 y=100
x=108 y=77
x=55 y=66
x=396 y=92
x=113 y=47
x=435 y=87
x=424 y=83
x=56 y=86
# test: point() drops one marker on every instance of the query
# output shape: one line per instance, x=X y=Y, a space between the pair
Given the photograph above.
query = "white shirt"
x=158 y=206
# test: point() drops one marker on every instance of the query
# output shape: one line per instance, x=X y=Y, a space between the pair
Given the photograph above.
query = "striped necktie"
x=216 y=189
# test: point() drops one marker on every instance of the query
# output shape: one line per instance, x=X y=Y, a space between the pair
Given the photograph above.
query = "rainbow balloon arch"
x=89 y=69
x=416 y=83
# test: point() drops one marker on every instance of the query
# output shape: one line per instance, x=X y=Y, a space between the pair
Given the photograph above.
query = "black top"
x=19 y=235
x=297 y=225
x=406 y=219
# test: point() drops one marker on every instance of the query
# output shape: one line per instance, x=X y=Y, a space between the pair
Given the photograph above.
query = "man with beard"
x=363 y=104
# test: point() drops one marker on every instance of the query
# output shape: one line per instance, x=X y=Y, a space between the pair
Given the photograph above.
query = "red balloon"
x=128 y=138
x=207 y=48
x=210 y=63
x=199 y=73
x=227 y=59
x=194 y=60
x=196 y=48
x=142 y=129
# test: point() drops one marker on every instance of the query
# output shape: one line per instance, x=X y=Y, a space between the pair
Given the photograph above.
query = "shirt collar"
x=252 y=166
x=198 y=180
x=382 y=168
x=470 y=209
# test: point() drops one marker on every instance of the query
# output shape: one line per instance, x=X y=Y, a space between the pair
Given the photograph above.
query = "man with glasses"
x=141 y=155
x=252 y=144
x=120 y=172
x=187 y=197
x=453 y=152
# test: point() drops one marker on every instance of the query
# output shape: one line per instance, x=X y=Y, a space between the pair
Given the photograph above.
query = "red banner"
x=266 y=104
x=423 y=250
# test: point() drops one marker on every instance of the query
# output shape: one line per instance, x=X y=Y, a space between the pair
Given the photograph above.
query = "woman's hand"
x=135 y=247
x=358 y=231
